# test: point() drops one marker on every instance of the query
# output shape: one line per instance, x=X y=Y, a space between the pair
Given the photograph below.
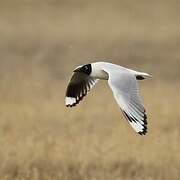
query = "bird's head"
x=87 y=69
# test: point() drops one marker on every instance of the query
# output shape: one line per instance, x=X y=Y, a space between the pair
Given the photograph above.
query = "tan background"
x=40 y=44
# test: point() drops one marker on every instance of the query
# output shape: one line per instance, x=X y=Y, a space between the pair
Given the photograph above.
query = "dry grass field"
x=40 y=44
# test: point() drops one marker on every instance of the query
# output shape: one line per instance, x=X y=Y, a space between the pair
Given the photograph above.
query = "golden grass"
x=41 y=42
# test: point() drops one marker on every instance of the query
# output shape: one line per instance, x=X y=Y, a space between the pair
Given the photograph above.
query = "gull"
x=122 y=82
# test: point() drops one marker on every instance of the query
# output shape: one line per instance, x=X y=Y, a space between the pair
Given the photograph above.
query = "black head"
x=87 y=69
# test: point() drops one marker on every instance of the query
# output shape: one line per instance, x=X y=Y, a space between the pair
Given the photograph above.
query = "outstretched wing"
x=78 y=87
x=125 y=90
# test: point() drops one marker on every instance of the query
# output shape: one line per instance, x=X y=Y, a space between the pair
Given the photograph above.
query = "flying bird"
x=123 y=83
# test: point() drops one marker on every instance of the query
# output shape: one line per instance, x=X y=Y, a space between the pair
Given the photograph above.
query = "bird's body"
x=99 y=68
x=123 y=83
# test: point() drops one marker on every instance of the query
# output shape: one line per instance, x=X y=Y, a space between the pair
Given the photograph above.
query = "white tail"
x=140 y=75
x=143 y=74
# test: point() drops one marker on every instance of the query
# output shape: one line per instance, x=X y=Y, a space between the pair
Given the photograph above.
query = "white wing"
x=125 y=89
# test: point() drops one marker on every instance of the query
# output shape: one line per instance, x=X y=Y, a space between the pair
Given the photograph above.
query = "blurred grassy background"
x=40 y=44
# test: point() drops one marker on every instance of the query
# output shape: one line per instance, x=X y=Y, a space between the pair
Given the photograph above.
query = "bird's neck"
x=98 y=72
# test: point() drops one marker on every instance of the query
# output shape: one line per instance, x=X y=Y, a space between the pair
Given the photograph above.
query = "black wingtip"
x=70 y=105
x=144 y=132
x=133 y=119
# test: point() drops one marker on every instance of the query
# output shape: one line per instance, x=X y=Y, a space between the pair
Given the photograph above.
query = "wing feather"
x=79 y=85
x=126 y=93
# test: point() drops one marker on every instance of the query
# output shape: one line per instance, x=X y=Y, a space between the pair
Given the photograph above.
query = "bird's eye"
x=86 y=67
